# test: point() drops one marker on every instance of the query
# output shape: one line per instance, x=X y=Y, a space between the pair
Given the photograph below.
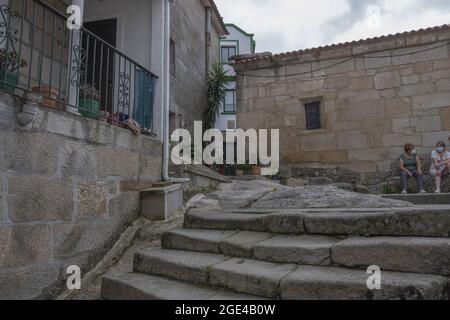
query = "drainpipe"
x=166 y=98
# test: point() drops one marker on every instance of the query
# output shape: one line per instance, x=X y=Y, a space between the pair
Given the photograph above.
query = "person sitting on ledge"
x=410 y=167
x=440 y=166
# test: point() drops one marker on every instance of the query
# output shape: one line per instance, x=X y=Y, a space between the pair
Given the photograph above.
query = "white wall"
x=134 y=25
x=140 y=36
x=244 y=45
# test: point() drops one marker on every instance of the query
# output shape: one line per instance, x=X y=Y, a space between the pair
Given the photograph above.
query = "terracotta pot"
x=49 y=95
x=256 y=171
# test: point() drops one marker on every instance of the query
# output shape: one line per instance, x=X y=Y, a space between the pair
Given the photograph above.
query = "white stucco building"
x=236 y=43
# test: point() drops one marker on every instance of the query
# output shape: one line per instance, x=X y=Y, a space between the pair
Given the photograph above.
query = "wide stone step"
x=330 y=283
x=305 y=249
x=422 y=199
x=286 y=281
x=138 y=286
x=411 y=254
x=404 y=254
x=417 y=221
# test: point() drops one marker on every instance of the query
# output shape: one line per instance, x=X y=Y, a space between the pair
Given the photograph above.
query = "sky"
x=289 y=25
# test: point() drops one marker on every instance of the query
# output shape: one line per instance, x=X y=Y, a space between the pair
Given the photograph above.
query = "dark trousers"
x=419 y=178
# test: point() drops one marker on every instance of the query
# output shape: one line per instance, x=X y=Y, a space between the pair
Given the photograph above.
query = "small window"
x=230 y=101
x=172 y=59
x=227 y=52
x=313 y=116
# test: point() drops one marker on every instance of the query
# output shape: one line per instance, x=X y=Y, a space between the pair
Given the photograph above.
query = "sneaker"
x=423 y=191
x=438 y=191
x=404 y=192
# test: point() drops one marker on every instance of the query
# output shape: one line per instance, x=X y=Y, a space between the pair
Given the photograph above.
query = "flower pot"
x=49 y=95
x=256 y=171
x=89 y=108
x=11 y=81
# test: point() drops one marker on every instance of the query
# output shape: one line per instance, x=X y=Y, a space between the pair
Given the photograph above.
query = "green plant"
x=89 y=92
x=89 y=105
x=387 y=188
x=10 y=61
x=217 y=80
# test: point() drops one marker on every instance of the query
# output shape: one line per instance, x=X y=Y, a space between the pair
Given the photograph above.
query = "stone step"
x=403 y=254
x=138 y=286
x=305 y=249
x=406 y=254
x=422 y=199
x=417 y=221
x=286 y=281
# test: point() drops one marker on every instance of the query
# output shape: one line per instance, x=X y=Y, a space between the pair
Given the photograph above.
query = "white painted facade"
x=240 y=42
x=142 y=34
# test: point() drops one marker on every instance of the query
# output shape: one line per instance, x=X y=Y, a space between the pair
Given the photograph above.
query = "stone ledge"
x=206 y=172
x=162 y=203
x=421 y=199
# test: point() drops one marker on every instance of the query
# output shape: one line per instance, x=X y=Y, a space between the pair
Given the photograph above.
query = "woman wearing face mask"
x=410 y=167
x=441 y=164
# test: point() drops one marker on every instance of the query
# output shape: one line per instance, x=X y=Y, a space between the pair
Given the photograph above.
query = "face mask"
x=440 y=149
x=414 y=152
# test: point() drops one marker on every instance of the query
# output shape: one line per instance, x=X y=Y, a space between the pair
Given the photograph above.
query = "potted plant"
x=256 y=170
x=10 y=63
x=243 y=169
x=50 y=95
x=89 y=104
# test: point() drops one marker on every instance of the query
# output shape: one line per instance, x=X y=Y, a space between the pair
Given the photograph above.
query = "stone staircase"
x=295 y=255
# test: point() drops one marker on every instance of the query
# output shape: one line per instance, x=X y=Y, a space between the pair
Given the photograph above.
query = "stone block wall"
x=371 y=105
x=68 y=189
x=188 y=94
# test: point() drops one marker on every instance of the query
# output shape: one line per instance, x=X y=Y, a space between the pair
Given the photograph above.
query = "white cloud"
x=287 y=25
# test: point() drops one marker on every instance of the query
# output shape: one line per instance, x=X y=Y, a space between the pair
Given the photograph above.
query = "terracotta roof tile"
x=338 y=45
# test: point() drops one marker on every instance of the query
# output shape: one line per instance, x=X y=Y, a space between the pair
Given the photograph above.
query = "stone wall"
x=371 y=105
x=68 y=189
x=188 y=95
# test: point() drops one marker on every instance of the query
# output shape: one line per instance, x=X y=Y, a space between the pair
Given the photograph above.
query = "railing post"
x=75 y=63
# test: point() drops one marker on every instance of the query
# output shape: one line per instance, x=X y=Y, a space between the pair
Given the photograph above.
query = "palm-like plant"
x=217 y=80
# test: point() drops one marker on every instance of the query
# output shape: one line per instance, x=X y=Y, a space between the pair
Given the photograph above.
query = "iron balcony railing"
x=73 y=68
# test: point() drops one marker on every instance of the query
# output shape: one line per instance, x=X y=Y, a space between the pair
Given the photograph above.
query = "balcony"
x=73 y=70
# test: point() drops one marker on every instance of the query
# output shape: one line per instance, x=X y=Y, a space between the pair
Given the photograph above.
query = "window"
x=313 y=116
x=230 y=101
x=172 y=59
x=227 y=52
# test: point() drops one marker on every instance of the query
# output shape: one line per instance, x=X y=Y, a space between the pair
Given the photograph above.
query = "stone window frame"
x=320 y=102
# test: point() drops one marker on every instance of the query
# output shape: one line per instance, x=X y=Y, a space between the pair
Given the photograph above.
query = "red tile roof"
x=267 y=56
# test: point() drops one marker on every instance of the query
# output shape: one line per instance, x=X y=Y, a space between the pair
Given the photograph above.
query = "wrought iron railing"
x=71 y=68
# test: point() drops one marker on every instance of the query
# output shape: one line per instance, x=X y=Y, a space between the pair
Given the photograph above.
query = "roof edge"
x=317 y=50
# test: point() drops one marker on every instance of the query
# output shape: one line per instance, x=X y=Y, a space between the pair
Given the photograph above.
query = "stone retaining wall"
x=68 y=189
x=370 y=106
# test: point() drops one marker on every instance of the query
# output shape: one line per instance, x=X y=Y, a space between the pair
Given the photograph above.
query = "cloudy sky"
x=287 y=25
